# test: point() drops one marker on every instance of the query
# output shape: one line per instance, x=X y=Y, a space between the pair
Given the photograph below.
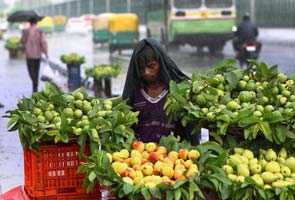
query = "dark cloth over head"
x=168 y=68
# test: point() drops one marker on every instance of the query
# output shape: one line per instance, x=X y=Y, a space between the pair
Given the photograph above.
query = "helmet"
x=246 y=16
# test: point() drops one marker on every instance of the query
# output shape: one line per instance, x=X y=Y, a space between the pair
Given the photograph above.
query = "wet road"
x=278 y=48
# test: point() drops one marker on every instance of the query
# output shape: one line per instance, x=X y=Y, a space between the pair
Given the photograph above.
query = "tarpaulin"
x=17 y=193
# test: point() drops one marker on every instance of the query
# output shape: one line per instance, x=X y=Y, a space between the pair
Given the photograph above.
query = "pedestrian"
x=146 y=88
x=34 y=42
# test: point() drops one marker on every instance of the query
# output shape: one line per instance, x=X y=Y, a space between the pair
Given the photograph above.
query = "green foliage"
x=72 y=59
x=257 y=102
x=13 y=43
x=99 y=72
x=52 y=115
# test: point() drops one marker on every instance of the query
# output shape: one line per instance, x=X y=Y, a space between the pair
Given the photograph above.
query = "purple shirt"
x=152 y=120
x=34 y=42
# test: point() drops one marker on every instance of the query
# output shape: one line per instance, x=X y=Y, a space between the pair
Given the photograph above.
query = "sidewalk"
x=14 y=84
x=284 y=36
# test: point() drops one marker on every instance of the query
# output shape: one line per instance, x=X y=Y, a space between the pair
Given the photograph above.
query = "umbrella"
x=24 y=16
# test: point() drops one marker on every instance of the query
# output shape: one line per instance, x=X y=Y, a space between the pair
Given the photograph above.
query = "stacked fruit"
x=259 y=100
x=269 y=170
x=54 y=115
x=150 y=164
x=72 y=59
x=99 y=72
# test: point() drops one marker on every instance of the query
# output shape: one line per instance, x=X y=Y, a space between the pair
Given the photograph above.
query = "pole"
x=68 y=5
x=166 y=22
x=108 y=6
x=91 y=7
x=78 y=8
x=252 y=10
x=128 y=6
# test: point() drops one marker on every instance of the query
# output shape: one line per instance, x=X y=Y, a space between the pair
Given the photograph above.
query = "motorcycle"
x=248 y=50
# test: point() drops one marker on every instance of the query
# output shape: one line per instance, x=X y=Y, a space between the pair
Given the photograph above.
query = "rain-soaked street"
x=278 y=48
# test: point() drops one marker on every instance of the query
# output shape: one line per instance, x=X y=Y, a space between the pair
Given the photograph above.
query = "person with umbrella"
x=34 y=43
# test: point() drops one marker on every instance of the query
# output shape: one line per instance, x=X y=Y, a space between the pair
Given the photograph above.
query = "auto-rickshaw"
x=59 y=22
x=123 y=31
x=46 y=24
x=100 y=28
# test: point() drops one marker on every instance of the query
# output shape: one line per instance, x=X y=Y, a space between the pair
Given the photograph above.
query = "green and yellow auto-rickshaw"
x=123 y=31
x=59 y=22
x=100 y=28
x=46 y=24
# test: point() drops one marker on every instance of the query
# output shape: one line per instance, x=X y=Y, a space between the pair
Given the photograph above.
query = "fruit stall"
x=84 y=147
x=14 y=46
x=73 y=62
x=102 y=75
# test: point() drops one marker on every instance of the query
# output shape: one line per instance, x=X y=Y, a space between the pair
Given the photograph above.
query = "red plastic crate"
x=50 y=173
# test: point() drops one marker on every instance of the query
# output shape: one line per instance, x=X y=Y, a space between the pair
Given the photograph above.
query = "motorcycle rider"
x=246 y=31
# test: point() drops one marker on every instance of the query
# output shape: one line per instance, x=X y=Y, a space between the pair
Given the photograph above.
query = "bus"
x=199 y=23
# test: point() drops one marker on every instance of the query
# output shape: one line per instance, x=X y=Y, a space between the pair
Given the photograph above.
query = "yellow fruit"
x=191 y=172
x=138 y=180
x=183 y=154
x=117 y=157
x=147 y=170
x=232 y=177
x=188 y=163
x=258 y=179
x=150 y=185
x=135 y=153
x=268 y=177
x=248 y=154
x=240 y=179
x=124 y=153
x=135 y=160
x=273 y=167
x=150 y=147
x=128 y=180
x=158 y=166
x=243 y=170
x=173 y=156
x=193 y=154
x=136 y=174
x=161 y=150
x=138 y=145
x=228 y=169
x=168 y=171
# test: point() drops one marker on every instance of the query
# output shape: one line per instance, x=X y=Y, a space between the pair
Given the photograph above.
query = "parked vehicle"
x=100 y=28
x=3 y=25
x=59 y=22
x=76 y=25
x=123 y=31
x=46 y=24
x=88 y=18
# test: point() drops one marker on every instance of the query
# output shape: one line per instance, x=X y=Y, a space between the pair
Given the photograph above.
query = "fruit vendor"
x=146 y=88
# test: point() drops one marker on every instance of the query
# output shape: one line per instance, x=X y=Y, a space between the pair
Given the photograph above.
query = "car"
x=3 y=25
x=76 y=25
x=88 y=18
